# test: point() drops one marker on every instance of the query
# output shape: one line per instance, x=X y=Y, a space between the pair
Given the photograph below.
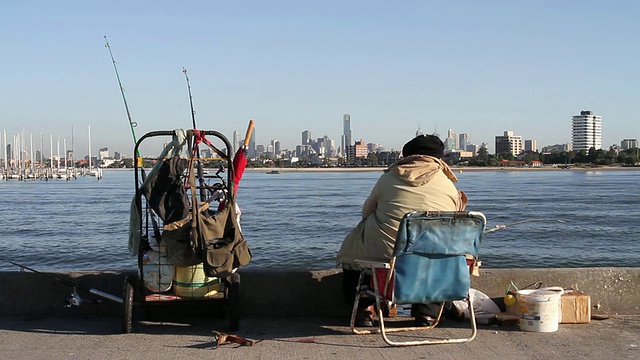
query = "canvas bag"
x=224 y=249
x=179 y=237
x=165 y=192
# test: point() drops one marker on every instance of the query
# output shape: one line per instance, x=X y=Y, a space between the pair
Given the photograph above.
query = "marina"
x=22 y=162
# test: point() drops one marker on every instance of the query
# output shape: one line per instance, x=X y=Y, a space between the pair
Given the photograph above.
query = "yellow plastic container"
x=190 y=281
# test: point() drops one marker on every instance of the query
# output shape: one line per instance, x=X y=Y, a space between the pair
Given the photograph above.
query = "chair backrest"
x=430 y=249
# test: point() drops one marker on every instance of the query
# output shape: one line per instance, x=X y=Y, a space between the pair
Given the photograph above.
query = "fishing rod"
x=196 y=149
x=504 y=226
x=132 y=123
x=74 y=299
x=193 y=113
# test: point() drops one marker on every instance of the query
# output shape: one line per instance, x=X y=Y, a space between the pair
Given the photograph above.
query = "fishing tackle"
x=132 y=123
x=74 y=299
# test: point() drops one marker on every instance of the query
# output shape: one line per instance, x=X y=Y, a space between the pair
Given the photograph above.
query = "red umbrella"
x=240 y=159
x=240 y=162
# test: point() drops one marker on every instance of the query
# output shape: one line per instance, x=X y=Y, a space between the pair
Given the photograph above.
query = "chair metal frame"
x=371 y=267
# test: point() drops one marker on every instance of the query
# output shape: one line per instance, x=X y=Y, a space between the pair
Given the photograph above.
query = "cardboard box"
x=575 y=308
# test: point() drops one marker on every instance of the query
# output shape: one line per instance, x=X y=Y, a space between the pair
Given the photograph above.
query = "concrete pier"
x=300 y=315
x=613 y=291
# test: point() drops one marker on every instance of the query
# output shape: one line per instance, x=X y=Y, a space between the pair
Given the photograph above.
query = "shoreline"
x=454 y=168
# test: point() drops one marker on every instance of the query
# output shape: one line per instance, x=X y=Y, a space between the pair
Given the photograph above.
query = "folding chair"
x=434 y=255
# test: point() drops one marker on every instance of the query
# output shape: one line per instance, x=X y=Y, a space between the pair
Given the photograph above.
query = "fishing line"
x=132 y=123
x=504 y=226
x=75 y=299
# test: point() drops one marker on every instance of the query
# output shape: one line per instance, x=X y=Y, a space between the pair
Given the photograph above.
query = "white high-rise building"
x=509 y=143
x=451 y=142
x=103 y=153
x=586 y=131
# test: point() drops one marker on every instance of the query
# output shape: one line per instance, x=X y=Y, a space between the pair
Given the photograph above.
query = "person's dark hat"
x=424 y=145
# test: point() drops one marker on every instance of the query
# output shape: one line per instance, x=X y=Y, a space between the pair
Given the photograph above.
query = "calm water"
x=297 y=220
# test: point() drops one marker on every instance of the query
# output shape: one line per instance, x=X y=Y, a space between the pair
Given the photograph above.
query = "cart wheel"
x=233 y=301
x=127 y=314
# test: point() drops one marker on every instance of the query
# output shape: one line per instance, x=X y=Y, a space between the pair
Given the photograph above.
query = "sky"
x=474 y=67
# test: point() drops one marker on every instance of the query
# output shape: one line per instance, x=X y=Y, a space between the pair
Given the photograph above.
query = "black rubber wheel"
x=127 y=313
x=233 y=301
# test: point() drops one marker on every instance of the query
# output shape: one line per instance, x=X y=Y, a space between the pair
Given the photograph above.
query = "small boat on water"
x=273 y=172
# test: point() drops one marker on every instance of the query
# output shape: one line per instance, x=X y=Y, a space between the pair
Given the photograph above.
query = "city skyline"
x=506 y=142
x=479 y=69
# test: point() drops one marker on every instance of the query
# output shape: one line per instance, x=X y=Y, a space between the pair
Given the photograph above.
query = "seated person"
x=419 y=181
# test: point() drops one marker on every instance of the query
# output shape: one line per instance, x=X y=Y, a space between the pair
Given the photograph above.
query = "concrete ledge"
x=613 y=291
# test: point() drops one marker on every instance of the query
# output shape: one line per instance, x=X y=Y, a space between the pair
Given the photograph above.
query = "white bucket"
x=538 y=309
x=157 y=271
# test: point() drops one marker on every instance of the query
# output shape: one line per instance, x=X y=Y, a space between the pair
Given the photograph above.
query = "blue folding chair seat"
x=429 y=265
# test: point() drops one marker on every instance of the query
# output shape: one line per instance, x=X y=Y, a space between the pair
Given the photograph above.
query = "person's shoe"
x=364 y=317
x=364 y=322
x=424 y=320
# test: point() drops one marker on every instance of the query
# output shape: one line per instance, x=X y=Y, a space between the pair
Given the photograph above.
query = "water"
x=297 y=220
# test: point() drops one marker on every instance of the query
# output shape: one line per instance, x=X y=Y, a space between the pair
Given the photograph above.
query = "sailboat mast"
x=58 y=151
x=41 y=162
x=89 y=147
x=4 y=151
x=73 y=165
x=51 y=152
x=31 y=165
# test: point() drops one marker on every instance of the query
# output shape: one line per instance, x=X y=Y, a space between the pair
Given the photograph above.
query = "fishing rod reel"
x=75 y=300
x=218 y=191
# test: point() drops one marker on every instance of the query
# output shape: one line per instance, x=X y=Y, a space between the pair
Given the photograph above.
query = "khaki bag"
x=224 y=249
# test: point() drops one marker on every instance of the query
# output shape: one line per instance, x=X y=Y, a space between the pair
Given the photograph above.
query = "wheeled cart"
x=165 y=194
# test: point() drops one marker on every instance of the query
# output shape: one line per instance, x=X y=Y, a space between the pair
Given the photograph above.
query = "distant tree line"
x=593 y=156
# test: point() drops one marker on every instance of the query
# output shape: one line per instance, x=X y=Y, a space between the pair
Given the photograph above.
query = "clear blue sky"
x=475 y=67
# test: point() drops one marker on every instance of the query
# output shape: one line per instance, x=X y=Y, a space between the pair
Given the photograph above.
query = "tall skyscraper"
x=251 y=151
x=237 y=141
x=276 y=147
x=346 y=132
x=586 y=131
x=463 y=141
x=306 y=137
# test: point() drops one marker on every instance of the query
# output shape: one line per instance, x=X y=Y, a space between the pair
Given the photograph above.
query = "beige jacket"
x=415 y=183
